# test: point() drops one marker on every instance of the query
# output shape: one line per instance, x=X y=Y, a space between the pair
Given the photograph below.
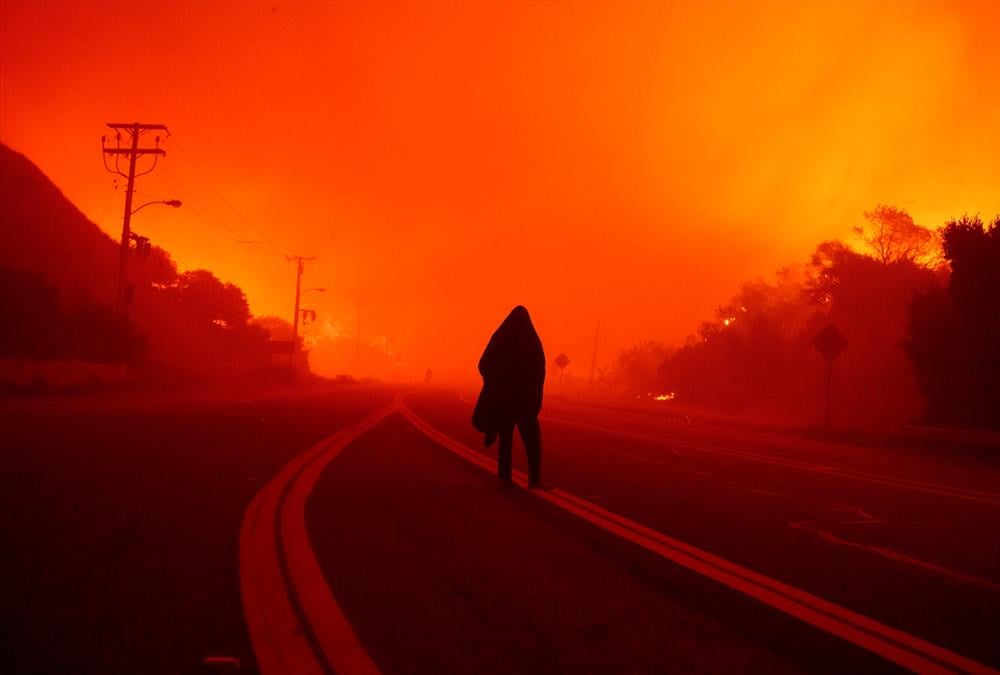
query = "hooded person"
x=513 y=370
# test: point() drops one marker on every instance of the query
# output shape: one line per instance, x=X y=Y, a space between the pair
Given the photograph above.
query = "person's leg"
x=504 y=460
x=531 y=436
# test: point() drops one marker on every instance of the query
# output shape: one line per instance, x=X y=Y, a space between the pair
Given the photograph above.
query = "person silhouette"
x=513 y=370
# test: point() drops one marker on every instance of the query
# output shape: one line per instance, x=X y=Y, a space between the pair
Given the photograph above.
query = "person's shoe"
x=489 y=438
x=538 y=485
x=506 y=479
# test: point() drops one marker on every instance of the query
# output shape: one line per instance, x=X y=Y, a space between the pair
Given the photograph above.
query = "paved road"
x=907 y=538
x=122 y=520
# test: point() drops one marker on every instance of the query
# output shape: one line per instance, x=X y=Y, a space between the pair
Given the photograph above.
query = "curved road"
x=370 y=529
x=825 y=535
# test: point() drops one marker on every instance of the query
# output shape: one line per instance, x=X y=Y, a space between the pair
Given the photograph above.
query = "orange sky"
x=619 y=161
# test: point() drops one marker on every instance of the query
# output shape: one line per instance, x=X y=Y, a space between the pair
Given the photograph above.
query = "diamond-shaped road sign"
x=830 y=342
x=562 y=361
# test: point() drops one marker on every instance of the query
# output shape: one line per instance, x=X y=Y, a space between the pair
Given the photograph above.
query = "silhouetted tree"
x=158 y=267
x=636 y=367
x=894 y=237
x=204 y=297
x=757 y=355
x=276 y=327
x=753 y=356
x=825 y=269
x=868 y=300
x=954 y=332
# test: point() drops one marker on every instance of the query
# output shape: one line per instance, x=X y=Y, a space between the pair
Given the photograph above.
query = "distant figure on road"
x=513 y=370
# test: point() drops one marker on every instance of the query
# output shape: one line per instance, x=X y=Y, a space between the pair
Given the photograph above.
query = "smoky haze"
x=629 y=165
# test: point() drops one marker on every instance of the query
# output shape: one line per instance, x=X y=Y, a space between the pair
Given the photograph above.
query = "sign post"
x=829 y=342
x=561 y=362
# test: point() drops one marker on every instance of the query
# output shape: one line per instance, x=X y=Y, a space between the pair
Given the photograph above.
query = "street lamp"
x=298 y=311
x=142 y=243
x=175 y=203
x=305 y=313
x=121 y=301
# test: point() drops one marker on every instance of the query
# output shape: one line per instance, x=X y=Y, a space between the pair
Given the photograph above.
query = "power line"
x=220 y=234
x=107 y=202
x=228 y=203
x=176 y=184
x=215 y=224
x=207 y=214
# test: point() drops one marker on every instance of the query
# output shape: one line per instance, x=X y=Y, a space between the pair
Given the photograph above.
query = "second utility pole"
x=593 y=359
x=301 y=261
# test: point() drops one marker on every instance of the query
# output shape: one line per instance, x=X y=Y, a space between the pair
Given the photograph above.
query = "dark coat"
x=513 y=370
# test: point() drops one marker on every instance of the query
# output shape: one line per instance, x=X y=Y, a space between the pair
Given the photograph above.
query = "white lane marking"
x=894 y=645
x=852 y=474
x=893 y=481
x=816 y=527
x=273 y=533
x=865 y=518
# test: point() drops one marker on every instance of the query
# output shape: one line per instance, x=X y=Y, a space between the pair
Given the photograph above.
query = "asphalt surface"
x=121 y=520
x=875 y=530
x=443 y=569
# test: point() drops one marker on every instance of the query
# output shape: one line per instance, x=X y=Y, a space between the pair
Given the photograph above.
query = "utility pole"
x=134 y=130
x=593 y=360
x=301 y=266
x=357 y=346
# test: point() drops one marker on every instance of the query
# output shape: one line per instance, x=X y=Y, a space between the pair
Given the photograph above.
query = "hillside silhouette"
x=44 y=233
x=58 y=273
